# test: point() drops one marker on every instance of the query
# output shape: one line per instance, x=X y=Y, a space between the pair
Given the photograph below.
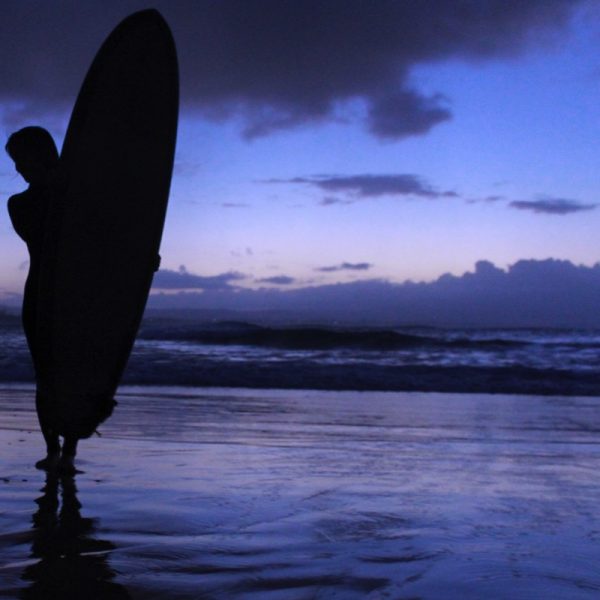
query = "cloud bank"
x=275 y=64
x=530 y=293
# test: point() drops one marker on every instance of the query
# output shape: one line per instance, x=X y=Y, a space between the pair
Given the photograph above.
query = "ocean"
x=200 y=486
x=239 y=354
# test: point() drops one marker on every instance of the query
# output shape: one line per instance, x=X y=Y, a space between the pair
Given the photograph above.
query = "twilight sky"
x=335 y=141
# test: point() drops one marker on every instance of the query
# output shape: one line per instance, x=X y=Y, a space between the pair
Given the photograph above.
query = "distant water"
x=235 y=354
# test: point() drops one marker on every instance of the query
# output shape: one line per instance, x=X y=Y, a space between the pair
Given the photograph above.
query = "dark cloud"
x=406 y=113
x=275 y=64
x=552 y=206
x=345 y=266
x=166 y=279
x=278 y=280
x=370 y=186
x=530 y=293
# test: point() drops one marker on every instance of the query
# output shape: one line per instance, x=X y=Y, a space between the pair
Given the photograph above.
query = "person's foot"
x=66 y=465
x=49 y=463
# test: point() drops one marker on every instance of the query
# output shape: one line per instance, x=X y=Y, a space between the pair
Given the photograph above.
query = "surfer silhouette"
x=36 y=159
x=92 y=218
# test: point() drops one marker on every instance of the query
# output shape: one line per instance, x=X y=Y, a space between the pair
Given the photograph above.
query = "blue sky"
x=508 y=169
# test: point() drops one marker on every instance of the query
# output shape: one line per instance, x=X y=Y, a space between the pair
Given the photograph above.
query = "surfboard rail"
x=106 y=220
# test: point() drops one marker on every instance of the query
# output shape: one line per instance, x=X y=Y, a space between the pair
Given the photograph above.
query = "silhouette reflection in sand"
x=72 y=562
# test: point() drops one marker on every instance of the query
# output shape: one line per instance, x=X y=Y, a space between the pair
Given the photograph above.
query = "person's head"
x=34 y=153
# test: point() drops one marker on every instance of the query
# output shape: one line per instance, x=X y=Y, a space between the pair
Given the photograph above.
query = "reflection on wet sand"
x=226 y=494
x=72 y=562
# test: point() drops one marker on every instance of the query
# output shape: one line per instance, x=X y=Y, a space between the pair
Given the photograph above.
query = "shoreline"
x=328 y=377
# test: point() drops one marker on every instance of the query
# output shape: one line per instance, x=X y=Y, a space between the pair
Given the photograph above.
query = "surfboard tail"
x=79 y=415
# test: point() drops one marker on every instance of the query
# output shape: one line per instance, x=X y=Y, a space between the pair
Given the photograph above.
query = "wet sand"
x=205 y=493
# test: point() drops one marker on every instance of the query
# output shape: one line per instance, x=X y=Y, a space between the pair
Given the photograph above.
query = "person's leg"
x=67 y=459
x=29 y=318
x=52 y=442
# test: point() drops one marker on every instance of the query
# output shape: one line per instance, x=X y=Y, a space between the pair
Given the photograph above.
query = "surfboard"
x=106 y=220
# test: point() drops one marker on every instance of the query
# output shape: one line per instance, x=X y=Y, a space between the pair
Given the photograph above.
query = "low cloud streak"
x=345 y=266
x=166 y=279
x=370 y=186
x=277 y=280
x=552 y=206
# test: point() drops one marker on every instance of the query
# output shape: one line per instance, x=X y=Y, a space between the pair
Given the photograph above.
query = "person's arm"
x=17 y=211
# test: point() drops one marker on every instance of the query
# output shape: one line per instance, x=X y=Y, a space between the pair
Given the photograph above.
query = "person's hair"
x=33 y=141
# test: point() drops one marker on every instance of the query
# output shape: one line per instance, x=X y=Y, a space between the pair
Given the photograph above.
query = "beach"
x=294 y=494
